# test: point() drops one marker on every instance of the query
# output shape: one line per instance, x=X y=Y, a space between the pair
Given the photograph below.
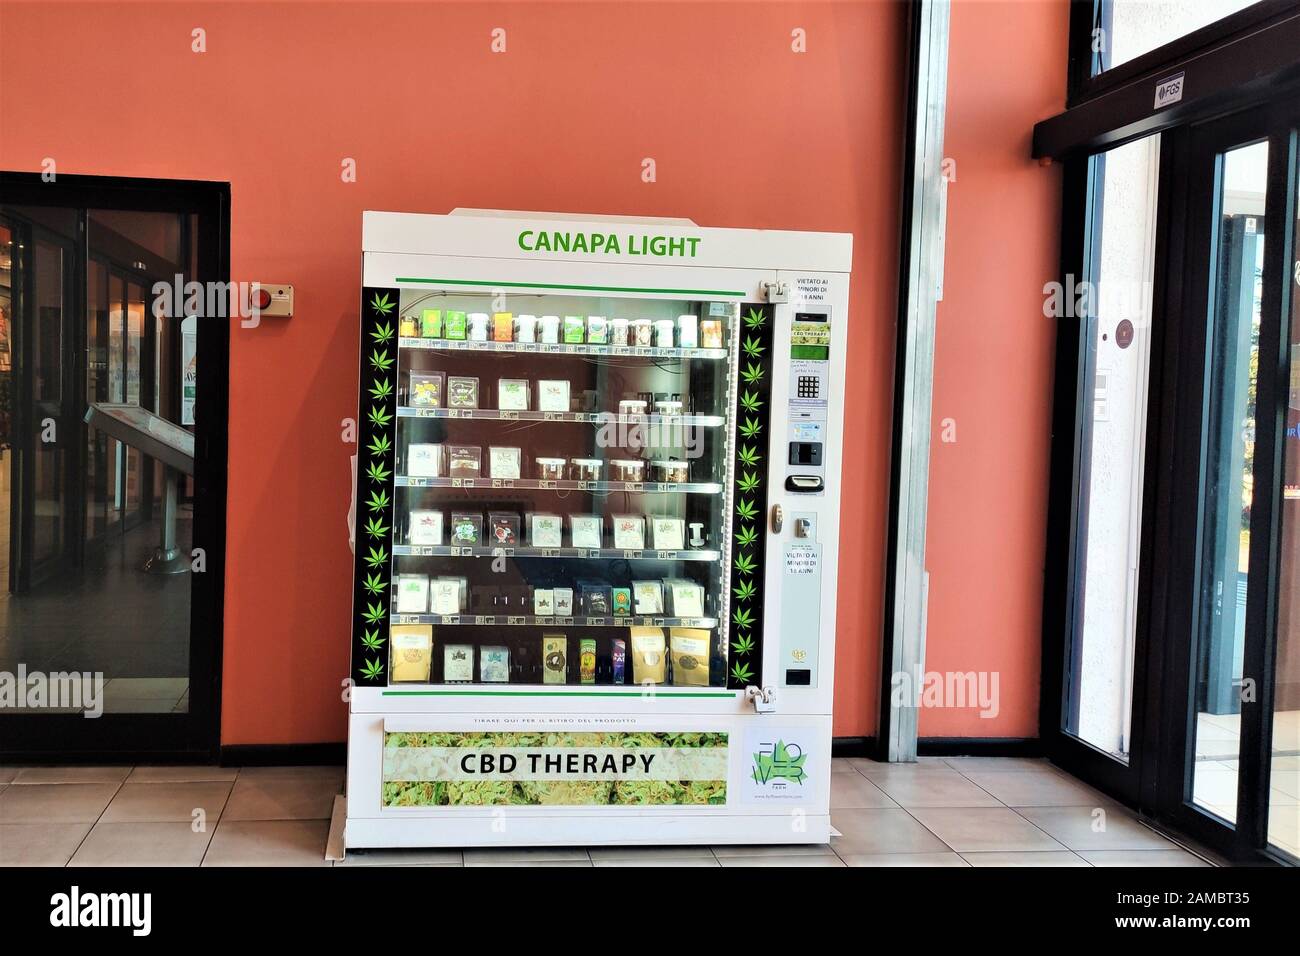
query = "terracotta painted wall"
x=993 y=363
x=745 y=133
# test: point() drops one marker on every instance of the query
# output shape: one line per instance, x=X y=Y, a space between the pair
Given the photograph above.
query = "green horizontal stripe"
x=579 y=288
x=543 y=693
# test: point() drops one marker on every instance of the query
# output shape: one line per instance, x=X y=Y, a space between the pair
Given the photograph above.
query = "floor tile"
x=935 y=788
x=874 y=768
x=997 y=764
x=975 y=829
x=510 y=856
x=841 y=765
x=55 y=802
x=663 y=861
x=881 y=831
x=147 y=688
x=856 y=792
x=40 y=844
x=1094 y=828
x=1038 y=788
x=302 y=797
x=1037 y=858
x=774 y=849
x=7 y=774
x=599 y=853
x=160 y=802
x=72 y=775
x=138 y=705
x=181 y=774
x=268 y=843
x=947 y=858
x=327 y=772
x=782 y=860
x=1142 y=858
x=403 y=857
x=142 y=844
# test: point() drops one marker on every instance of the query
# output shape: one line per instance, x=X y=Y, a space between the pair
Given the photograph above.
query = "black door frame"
x=157 y=737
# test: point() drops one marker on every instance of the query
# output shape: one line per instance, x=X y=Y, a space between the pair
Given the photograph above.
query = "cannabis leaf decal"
x=373 y=613
x=750 y=428
x=752 y=373
x=373 y=583
x=752 y=346
x=748 y=455
x=377 y=501
x=372 y=669
x=743 y=644
x=380 y=416
x=381 y=360
x=377 y=557
x=372 y=640
x=744 y=563
x=746 y=510
x=750 y=401
x=376 y=528
x=381 y=390
x=747 y=482
x=380 y=446
x=377 y=471
x=755 y=319
x=742 y=617
x=382 y=332
x=746 y=536
x=744 y=591
x=381 y=304
x=741 y=672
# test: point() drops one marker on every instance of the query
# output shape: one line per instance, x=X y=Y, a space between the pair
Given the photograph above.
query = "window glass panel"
x=1139 y=26
x=1116 y=308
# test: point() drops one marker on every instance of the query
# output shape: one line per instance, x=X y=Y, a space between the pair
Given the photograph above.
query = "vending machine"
x=597 y=522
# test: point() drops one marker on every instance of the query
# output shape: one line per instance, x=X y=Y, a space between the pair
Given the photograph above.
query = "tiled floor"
x=960 y=811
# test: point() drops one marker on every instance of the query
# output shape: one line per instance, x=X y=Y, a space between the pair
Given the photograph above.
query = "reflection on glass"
x=1100 y=678
x=560 y=516
x=96 y=391
x=7 y=271
x=1237 y=269
x=135 y=462
x=1139 y=26
x=1284 y=782
x=47 y=394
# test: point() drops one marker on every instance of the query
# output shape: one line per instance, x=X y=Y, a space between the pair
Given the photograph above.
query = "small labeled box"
x=454 y=325
x=555 y=663
x=458 y=663
x=513 y=395
x=425 y=528
x=504 y=462
x=629 y=532
x=595 y=599
x=585 y=531
x=547 y=531
x=597 y=330
x=410 y=653
x=408 y=327
x=431 y=324
x=543 y=602
x=445 y=596
x=464 y=461
x=711 y=333
x=462 y=391
x=494 y=664
x=412 y=593
x=648 y=597
x=426 y=461
x=649 y=662
x=689 y=649
x=685 y=598
x=620 y=601
x=427 y=389
x=503 y=529
x=564 y=602
x=553 y=395
x=503 y=327
x=466 y=529
x=575 y=330
x=668 y=534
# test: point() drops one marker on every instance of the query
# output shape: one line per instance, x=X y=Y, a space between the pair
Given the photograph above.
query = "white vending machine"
x=597 y=524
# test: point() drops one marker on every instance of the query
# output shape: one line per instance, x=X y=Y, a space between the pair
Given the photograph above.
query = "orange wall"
x=993 y=362
x=745 y=133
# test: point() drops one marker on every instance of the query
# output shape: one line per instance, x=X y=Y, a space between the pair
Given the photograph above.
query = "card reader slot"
x=804 y=484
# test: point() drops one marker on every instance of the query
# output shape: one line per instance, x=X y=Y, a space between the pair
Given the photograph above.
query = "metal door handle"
x=778 y=519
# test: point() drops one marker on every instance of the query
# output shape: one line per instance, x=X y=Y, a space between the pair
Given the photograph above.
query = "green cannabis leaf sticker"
x=748 y=456
x=373 y=614
x=744 y=591
x=751 y=373
x=373 y=583
x=377 y=501
x=746 y=536
x=742 y=617
x=752 y=346
x=743 y=644
x=747 y=482
x=381 y=360
x=750 y=428
x=372 y=669
x=380 y=446
x=779 y=764
x=755 y=319
x=741 y=672
x=372 y=640
x=377 y=471
x=382 y=332
x=381 y=390
x=746 y=510
x=376 y=528
x=381 y=304
x=750 y=401
x=380 y=416
x=377 y=557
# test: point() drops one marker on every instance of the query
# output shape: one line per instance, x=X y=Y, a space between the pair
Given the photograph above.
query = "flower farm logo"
x=779 y=764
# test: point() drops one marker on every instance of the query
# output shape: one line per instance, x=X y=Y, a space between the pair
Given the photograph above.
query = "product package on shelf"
x=555 y=659
x=546 y=531
x=668 y=534
x=462 y=391
x=544 y=602
x=649 y=662
x=594 y=598
x=464 y=461
x=505 y=462
x=503 y=529
x=563 y=602
x=445 y=596
x=458 y=663
x=431 y=324
x=453 y=325
x=618 y=660
x=597 y=330
x=425 y=528
x=685 y=598
x=503 y=327
x=426 y=389
x=629 y=532
x=587 y=660
x=411 y=653
x=513 y=395
x=552 y=395
x=426 y=460
x=585 y=531
x=689 y=649
x=412 y=593
x=620 y=601
x=466 y=528
x=494 y=664
x=648 y=597
x=575 y=328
